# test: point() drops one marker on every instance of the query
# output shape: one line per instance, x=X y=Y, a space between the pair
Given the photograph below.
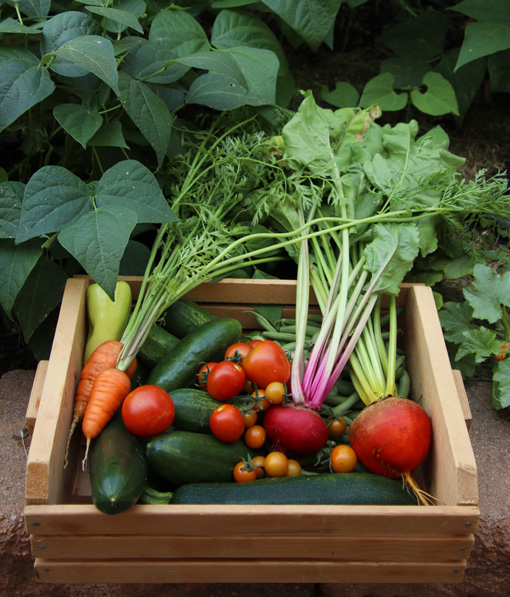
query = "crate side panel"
x=35 y=396
x=243 y=571
x=453 y=478
x=46 y=479
x=323 y=547
x=417 y=521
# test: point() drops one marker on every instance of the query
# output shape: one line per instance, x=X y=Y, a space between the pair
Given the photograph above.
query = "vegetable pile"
x=351 y=205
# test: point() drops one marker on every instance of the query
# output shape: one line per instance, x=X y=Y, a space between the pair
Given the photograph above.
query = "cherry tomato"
x=227 y=423
x=294 y=468
x=262 y=403
x=148 y=410
x=266 y=362
x=237 y=351
x=276 y=464
x=337 y=427
x=243 y=473
x=203 y=373
x=250 y=418
x=225 y=381
x=255 y=436
x=258 y=463
x=343 y=459
x=275 y=392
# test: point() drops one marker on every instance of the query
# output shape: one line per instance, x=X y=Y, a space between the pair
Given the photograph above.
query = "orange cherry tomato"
x=255 y=436
x=343 y=459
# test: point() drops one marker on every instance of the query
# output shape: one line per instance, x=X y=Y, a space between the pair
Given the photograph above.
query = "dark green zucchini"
x=158 y=343
x=183 y=316
x=184 y=457
x=118 y=468
x=208 y=342
x=326 y=489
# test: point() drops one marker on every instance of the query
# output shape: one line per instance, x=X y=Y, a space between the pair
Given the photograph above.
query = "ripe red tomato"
x=148 y=410
x=227 y=423
x=243 y=473
x=237 y=351
x=203 y=373
x=254 y=342
x=265 y=363
x=225 y=381
x=255 y=436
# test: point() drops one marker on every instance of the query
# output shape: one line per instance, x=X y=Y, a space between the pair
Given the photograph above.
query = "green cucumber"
x=208 y=342
x=183 y=316
x=193 y=408
x=118 y=468
x=185 y=457
x=326 y=489
x=158 y=343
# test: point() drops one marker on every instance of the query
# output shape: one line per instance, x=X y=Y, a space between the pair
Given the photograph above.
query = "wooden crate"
x=72 y=542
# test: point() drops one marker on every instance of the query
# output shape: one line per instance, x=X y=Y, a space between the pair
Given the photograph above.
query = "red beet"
x=392 y=437
x=295 y=429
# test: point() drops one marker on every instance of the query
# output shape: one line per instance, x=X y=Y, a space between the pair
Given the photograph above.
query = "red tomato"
x=148 y=410
x=203 y=373
x=254 y=342
x=227 y=423
x=237 y=351
x=225 y=381
x=243 y=473
x=255 y=436
x=265 y=363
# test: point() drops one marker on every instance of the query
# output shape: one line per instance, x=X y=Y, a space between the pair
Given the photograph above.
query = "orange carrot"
x=108 y=392
x=104 y=357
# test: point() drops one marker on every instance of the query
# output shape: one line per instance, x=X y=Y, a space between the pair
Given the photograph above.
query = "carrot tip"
x=84 y=461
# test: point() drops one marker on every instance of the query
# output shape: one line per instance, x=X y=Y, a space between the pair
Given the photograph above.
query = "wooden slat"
x=248 y=571
x=35 y=395
x=366 y=548
x=46 y=480
x=464 y=402
x=422 y=521
x=452 y=470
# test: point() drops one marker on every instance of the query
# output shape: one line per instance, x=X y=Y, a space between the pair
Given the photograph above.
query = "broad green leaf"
x=482 y=39
x=488 y=292
x=135 y=259
x=400 y=244
x=215 y=62
x=22 y=84
x=32 y=8
x=420 y=37
x=109 y=135
x=148 y=112
x=499 y=71
x=379 y=91
x=480 y=342
x=116 y=15
x=94 y=54
x=11 y=196
x=220 y=4
x=344 y=95
x=62 y=28
x=81 y=123
x=10 y=26
x=438 y=99
x=41 y=293
x=98 y=240
x=153 y=63
x=131 y=185
x=179 y=32
x=407 y=70
x=16 y=263
x=492 y=11
x=310 y=19
x=54 y=198
x=455 y=319
x=501 y=384
x=217 y=92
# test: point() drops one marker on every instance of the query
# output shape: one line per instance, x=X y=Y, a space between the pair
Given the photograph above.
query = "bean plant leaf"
x=438 y=99
x=80 y=122
x=153 y=63
x=16 y=263
x=41 y=293
x=94 y=54
x=119 y=16
x=10 y=26
x=499 y=71
x=11 y=196
x=379 y=90
x=310 y=19
x=455 y=319
x=22 y=84
x=480 y=342
x=109 y=135
x=62 y=28
x=483 y=39
x=32 y=8
x=54 y=198
x=178 y=31
x=501 y=384
x=131 y=185
x=98 y=240
x=215 y=62
x=489 y=291
x=492 y=11
x=148 y=112
x=344 y=95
